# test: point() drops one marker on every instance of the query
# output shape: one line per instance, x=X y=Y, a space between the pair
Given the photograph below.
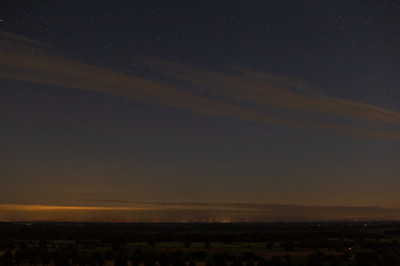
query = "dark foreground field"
x=247 y=244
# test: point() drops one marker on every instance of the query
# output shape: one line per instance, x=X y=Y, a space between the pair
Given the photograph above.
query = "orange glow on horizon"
x=26 y=207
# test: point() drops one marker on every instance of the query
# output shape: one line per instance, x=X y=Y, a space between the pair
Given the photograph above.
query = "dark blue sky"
x=112 y=102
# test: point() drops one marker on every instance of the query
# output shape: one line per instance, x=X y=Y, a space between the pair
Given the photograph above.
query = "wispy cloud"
x=260 y=90
x=238 y=92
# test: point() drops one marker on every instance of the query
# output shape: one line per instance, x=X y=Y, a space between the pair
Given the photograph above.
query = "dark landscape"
x=211 y=244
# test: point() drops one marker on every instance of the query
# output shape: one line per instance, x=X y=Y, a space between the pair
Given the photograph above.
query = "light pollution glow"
x=193 y=212
x=23 y=207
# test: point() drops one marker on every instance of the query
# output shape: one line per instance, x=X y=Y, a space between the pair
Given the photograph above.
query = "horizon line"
x=195 y=212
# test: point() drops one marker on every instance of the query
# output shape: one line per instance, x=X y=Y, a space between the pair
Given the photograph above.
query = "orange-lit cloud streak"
x=26 y=207
x=195 y=211
x=29 y=61
x=18 y=212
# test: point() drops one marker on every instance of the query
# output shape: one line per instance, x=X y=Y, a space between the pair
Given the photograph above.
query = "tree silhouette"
x=187 y=243
x=149 y=261
x=60 y=257
x=276 y=261
x=210 y=263
x=20 y=256
x=316 y=259
x=137 y=257
x=33 y=256
x=289 y=245
x=151 y=242
x=121 y=259
x=99 y=259
x=164 y=259
x=219 y=259
x=44 y=257
x=7 y=258
x=237 y=262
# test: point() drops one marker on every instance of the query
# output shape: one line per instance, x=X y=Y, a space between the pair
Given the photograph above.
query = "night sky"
x=152 y=110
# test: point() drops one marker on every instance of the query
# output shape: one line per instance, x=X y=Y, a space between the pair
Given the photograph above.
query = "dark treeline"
x=166 y=232
x=111 y=244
